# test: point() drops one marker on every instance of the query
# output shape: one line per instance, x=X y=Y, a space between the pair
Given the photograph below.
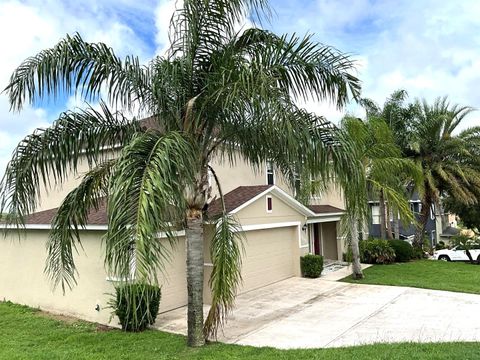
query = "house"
x=278 y=230
x=441 y=226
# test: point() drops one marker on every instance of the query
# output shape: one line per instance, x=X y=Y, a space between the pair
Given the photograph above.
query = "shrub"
x=348 y=255
x=311 y=265
x=440 y=245
x=376 y=251
x=419 y=253
x=136 y=305
x=403 y=250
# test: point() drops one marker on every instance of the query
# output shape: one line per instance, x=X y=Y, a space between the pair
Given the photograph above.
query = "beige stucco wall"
x=53 y=195
x=23 y=281
x=331 y=196
x=240 y=173
x=231 y=174
x=329 y=240
x=256 y=213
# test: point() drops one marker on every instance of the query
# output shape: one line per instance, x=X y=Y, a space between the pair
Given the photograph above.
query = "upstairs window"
x=297 y=183
x=270 y=173
x=375 y=214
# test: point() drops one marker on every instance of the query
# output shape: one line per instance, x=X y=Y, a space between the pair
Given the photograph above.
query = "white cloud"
x=427 y=47
x=163 y=15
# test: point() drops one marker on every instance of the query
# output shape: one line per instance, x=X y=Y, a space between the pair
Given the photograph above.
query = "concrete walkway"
x=314 y=313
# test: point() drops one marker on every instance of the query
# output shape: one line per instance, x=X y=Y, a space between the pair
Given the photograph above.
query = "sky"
x=430 y=48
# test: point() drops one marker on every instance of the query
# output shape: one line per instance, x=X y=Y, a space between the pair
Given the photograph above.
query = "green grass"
x=427 y=274
x=27 y=334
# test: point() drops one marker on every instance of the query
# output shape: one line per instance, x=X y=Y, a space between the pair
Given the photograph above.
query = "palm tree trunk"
x=422 y=223
x=389 y=224
x=195 y=263
x=356 y=267
x=383 y=227
x=396 y=225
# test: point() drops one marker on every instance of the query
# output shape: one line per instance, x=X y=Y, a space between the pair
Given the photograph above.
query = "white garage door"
x=268 y=256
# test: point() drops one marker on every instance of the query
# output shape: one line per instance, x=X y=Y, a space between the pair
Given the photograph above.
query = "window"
x=132 y=267
x=297 y=183
x=269 y=204
x=375 y=214
x=270 y=173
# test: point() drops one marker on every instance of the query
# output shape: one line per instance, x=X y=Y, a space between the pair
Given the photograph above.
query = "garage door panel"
x=268 y=257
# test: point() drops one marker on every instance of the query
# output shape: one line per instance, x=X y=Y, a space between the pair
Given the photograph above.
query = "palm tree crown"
x=450 y=163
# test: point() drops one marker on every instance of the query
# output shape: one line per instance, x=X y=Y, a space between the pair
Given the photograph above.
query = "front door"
x=317 y=249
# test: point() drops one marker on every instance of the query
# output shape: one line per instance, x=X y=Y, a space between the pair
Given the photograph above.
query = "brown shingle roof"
x=236 y=198
x=324 y=209
x=233 y=199
x=95 y=217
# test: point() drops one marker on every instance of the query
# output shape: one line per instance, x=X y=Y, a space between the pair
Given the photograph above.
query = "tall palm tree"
x=386 y=171
x=217 y=92
x=387 y=139
x=449 y=161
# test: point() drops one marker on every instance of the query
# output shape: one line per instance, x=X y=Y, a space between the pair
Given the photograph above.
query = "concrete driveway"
x=314 y=313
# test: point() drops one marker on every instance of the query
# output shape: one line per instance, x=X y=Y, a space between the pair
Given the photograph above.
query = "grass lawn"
x=428 y=274
x=26 y=333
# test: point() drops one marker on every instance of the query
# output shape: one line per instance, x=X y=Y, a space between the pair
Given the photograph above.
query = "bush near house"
x=136 y=305
x=311 y=265
x=376 y=251
x=403 y=250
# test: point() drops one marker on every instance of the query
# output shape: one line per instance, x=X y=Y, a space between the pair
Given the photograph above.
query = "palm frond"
x=79 y=66
x=71 y=217
x=48 y=156
x=199 y=27
x=146 y=196
x=226 y=252
x=266 y=65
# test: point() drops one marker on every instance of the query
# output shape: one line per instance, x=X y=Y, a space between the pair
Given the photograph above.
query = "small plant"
x=136 y=305
x=376 y=251
x=419 y=253
x=311 y=265
x=403 y=250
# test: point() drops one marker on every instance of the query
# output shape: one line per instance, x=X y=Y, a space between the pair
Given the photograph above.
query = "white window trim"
x=254 y=227
x=376 y=215
x=273 y=173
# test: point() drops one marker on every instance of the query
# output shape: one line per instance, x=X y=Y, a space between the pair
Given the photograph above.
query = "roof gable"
x=236 y=198
x=243 y=196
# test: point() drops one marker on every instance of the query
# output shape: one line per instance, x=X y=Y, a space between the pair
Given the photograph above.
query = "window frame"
x=270 y=172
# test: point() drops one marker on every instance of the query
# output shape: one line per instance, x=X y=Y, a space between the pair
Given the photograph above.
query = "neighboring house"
x=440 y=225
x=278 y=230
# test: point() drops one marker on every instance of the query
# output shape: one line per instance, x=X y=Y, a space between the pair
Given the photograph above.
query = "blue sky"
x=428 y=47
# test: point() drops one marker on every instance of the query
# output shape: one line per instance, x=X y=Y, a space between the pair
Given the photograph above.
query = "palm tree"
x=387 y=135
x=217 y=92
x=449 y=162
x=386 y=171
